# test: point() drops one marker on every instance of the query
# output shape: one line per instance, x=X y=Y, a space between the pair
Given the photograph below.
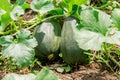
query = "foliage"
x=9 y=13
x=101 y=33
x=16 y=12
x=95 y=20
x=42 y=6
x=14 y=76
x=64 y=69
x=68 y=4
x=20 y=49
x=44 y=74
x=115 y=17
x=20 y=2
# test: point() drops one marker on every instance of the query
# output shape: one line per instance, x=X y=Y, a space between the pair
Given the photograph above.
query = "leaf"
x=77 y=2
x=69 y=3
x=75 y=11
x=46 y=74
x=20 y=2
x=21 y=54
x=60 y=54
x=21 y=50
x=5 y=20
x=95 y=20
x=97 y=25
x=113 y=36
x=56 y=11
x=67 y=68
x=16 y=12
x=42 y=6
x=1 y=13
x=13 y=76
x=60 y=69
x=117 y=52
x=6 y=5
x=26 y=6
x=23 y=34
x=94 y=40
x=6 y=40
x=88 y=40
x=116 y=17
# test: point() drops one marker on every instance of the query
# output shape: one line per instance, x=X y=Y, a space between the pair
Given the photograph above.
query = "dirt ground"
x=92 y=71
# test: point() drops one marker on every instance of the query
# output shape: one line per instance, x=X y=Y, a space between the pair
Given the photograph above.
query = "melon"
x=48 y=36
x=71 y=52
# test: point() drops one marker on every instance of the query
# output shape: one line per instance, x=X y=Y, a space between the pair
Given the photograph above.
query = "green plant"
x=13 y=34
x=20 y=49
x=64 y=69
x=9 y=13
x=68 y=5
x=102 y=34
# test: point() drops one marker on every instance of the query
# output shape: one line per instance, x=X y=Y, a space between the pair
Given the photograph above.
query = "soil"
x=92 y=71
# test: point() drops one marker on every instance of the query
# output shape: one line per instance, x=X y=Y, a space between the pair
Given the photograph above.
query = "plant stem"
x=106 y=52
x=5 y=33
x=44 y=20
x=106 y=62
x=38 y=62
x=115 y=61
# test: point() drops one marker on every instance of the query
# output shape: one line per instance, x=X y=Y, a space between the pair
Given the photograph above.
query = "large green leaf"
x=94 y=40
x=46 y=74
x=69 y=3
x=95 y=20
x=95 y=29
x=13 y=76
x=89 y=40
x=116 y=17
x=5 y=5
x=56 y=11
x=42 y=6
x=21 y=50
x=5 y=20
x=16 y=12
